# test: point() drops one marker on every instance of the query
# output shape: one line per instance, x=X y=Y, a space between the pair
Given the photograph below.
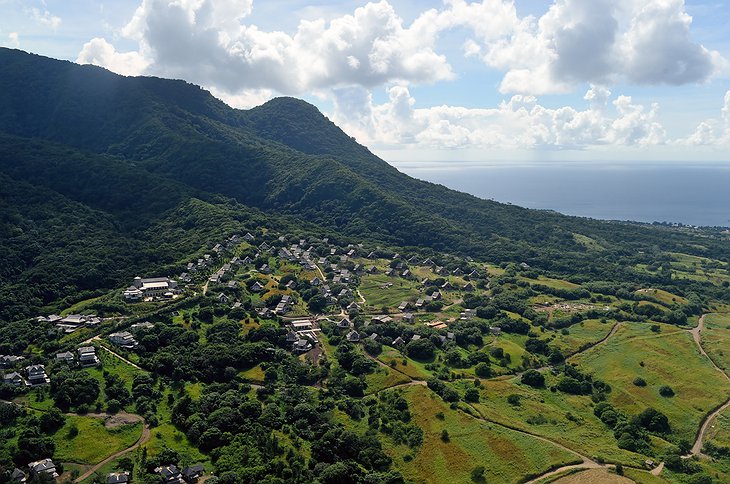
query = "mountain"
x=126 y=156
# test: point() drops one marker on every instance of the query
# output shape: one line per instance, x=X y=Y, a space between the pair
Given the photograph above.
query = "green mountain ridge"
x=135 y=148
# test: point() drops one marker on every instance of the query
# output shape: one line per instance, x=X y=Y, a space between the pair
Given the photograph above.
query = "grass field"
x=585 y=332
x=716 y=339
x=412 y=368
x=567 y=419
x=384 y=378
x=371 y=287
x=506 y=455
x=719 y=431
x=594 y=476
x=94 y=442
x=669 y=358
x=663 y=297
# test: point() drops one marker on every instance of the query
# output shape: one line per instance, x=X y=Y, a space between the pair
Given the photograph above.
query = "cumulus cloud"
x=46 y=18
x=712 y=131
x=518 y=123
x=100 y=52
x=208 y=42
x=14 y=39
x=601 y=41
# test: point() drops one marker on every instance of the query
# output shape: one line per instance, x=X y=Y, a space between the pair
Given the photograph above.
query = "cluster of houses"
x=171 y=474
x=302 y=335
x=35 y=375
x=42 y=470
x=86 y=357
x=72 y=322
x=151 y=288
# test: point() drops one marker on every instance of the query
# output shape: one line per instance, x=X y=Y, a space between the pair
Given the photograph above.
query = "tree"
x=445 y=435
x=477 y=474
x=420 y=349
x=533 y=378
x=639 y=382
x=483 y=370
x=471 y=395
x=52 y=420
x=666 y=391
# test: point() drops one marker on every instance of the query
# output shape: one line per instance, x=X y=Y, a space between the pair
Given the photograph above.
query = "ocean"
x=691 y=193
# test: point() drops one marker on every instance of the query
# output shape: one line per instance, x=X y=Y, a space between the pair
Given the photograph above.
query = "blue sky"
x=431 y=80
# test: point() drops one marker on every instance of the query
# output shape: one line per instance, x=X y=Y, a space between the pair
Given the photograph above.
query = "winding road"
x=699 y=440
x=142 y=440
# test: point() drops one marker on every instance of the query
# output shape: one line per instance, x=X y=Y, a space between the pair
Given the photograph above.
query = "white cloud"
x=208 y=42
x=46 y=18
x=99 y=52
x=518 y=123
x=601 y=41
x=714 y=132
x=14 y=39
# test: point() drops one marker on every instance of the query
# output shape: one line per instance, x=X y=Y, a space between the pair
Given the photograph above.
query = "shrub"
x=445 y=435
x=533 y=378
x=514 y=399
x=639 y=382
x=666 y=391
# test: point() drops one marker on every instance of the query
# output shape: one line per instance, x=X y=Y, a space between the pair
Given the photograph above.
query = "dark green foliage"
x=666 y=391
x=653 y=421
x=71 y=388
x=533 y=378
x=639 y=382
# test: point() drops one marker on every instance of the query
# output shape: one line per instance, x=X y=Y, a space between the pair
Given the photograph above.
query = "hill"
x=147 y=144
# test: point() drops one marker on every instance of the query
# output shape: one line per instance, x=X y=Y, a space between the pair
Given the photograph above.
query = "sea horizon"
x=687 y=193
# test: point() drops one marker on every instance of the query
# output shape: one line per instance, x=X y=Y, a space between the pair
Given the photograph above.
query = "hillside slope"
x=138 y=149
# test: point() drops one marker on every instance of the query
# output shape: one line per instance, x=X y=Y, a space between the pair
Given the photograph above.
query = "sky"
x=423 y=80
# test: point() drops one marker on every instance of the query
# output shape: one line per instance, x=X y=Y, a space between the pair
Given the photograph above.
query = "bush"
x=471 y=395
x=445 y=435
x=533 y=378
x=639 y=382
x=514 y=399
x=666 y=391
x=483 y=370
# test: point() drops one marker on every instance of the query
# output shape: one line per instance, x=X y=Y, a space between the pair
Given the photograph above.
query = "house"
x=302 y=345
x=398 y=341
x=381 y=320
x=37 y=375
x=265 y=269
x=87 y=356
x=457 y=272
x=344 y=324
x=391 y=273
x=495 y=330
x=257 y=287
x=405 y=305
x=469 y=287
x=43 y=468
x=436 y=296
x=420 y=302
x=373 y=337
x=248 y=237
x=265 y=313
x=353 y=336
x=222 y=298
x=447 y=286
x=123 y=339
x=415 y=337
x=144 y=325
x=193 y=473
x=170 y=474
x=292 y=337
x=65 y=357
x=406 y=273
x=15 y=379
x=17 y=476
x=409 y=318
x=353 y=307
x=301 y=325
x=150 y=287
x=9 y=361
x=118 y=478
x=450 y=336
